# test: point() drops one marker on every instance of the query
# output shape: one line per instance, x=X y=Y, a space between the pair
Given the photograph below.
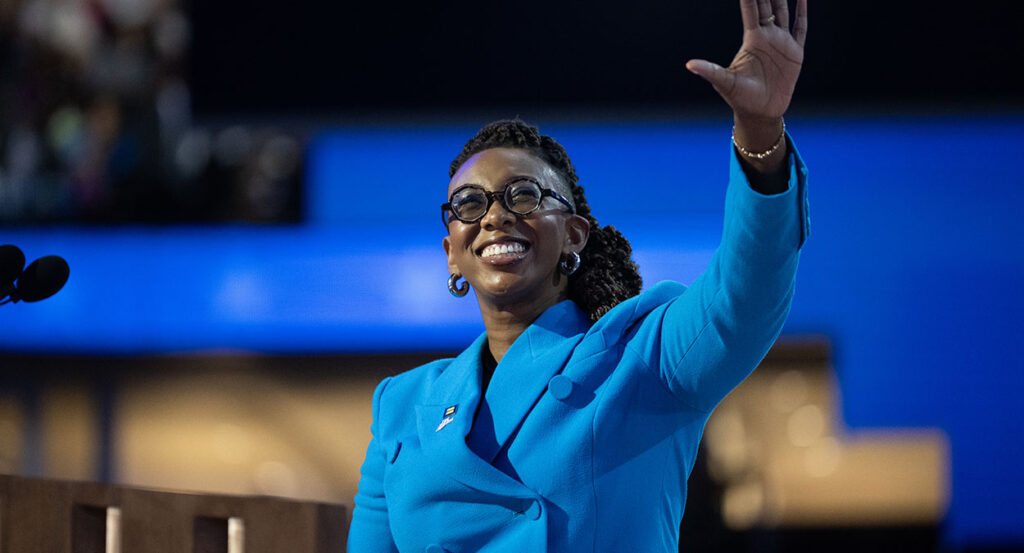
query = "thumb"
x=715 y=74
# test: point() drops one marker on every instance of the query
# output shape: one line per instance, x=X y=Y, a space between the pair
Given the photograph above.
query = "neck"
x=505 y=323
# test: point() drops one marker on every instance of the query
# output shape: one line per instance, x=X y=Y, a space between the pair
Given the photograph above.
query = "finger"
x=800 y=25
x=748 y=8
x=781 y=10
x=764 y=12
x=722 y=79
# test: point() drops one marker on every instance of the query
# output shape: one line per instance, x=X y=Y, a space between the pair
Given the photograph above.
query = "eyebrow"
x=506 y=182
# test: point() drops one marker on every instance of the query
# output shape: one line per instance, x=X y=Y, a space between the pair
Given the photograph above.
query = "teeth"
x=504 y=248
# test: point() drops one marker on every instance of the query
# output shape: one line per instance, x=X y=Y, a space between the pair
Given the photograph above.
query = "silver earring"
x=460 y=291
x=569 y=263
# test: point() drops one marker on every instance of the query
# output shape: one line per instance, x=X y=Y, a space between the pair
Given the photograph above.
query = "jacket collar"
x=538 y=354
x=520 y=378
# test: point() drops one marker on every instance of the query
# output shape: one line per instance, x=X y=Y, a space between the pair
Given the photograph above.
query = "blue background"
x=912 y=271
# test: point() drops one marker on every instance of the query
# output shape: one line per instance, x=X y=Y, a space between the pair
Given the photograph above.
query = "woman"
x=572 y=423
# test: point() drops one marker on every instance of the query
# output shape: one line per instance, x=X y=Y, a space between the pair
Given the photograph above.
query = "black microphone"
x=12 y=261
x=42 y=278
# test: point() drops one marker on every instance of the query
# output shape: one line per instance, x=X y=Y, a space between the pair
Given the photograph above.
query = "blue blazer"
x=586 y=433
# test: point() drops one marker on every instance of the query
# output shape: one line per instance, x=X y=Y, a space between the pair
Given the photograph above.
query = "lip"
x=502 y=259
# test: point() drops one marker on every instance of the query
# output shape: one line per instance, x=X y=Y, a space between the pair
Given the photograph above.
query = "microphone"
x=12 y=261
x=42 y=278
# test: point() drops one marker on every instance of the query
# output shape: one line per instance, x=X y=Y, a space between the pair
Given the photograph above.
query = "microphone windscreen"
x=12 y=261
x=43 y=278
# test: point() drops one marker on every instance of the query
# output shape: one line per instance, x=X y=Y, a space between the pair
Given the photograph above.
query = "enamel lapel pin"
x=448 y=417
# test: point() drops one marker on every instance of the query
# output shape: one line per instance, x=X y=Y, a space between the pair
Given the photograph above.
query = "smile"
x=505 y=250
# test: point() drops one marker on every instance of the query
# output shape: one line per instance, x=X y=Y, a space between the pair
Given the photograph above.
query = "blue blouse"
x=592 y=429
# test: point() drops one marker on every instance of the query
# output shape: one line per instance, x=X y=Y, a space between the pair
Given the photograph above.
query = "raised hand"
x=760 y=80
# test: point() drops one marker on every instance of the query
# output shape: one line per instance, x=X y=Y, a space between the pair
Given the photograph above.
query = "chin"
x=508 y=291
x=504 y=291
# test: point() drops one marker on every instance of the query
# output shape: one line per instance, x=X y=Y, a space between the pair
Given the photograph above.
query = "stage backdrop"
x=913 y=268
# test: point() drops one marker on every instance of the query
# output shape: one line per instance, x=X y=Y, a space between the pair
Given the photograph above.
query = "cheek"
x=550 y=239
x=460 y=239
x=460 y=235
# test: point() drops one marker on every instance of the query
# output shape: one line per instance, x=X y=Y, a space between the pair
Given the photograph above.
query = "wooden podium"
x=52 y=516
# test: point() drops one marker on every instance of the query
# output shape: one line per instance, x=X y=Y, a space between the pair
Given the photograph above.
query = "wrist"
x=757 y=134
x=761 y=144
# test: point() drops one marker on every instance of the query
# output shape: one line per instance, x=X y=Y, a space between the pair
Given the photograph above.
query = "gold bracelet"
x=764 y=154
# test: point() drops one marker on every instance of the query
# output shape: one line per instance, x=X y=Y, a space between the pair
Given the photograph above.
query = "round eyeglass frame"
x=501 y=195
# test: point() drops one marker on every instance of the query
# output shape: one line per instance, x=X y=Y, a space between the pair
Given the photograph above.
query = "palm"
x=760 y=80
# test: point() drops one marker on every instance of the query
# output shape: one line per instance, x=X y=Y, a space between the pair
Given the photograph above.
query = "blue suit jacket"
x=587 y=433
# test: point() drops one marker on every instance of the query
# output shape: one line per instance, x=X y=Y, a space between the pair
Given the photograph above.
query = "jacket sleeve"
x=714 y=334
x=370 y=531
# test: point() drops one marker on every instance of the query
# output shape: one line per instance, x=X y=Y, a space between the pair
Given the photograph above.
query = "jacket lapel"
x=536 y=356
x=444 y=441
x=519 y=379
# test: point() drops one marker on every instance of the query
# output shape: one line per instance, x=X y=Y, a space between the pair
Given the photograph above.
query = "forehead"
x=493 y=167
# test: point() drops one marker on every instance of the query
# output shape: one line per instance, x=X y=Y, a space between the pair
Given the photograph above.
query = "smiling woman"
x=512 y=259
x=572 y=423
x=607 y=275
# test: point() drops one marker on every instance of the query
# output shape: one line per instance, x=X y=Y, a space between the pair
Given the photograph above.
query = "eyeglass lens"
x=471 y=203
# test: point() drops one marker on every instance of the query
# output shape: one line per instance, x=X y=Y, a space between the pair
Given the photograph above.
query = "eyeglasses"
x=522 y=196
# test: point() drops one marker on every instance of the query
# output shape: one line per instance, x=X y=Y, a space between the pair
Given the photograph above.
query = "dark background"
x=320 y=58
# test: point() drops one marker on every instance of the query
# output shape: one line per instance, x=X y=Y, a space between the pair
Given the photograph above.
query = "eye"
x=468 y=203
x=523 y=196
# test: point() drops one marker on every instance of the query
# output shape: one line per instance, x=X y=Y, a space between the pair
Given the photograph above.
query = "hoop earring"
x=569 y=263
x=460 y=291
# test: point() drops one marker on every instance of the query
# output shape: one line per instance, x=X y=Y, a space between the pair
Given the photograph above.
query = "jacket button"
x=560 y=386
x=434 y=548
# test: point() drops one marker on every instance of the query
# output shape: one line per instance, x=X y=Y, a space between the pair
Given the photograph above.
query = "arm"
x=370 y=530
x=721 y=328
x=716 y=332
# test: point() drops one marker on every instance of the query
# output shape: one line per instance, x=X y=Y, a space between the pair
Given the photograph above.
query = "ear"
x=447 y=245
x=577 y=232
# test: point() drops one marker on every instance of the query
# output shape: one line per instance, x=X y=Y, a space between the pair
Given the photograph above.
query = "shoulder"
x=410 y=386
x=396 y=398
x=627 y=314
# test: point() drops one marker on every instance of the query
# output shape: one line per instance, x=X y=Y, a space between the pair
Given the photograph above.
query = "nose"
x=497 y=216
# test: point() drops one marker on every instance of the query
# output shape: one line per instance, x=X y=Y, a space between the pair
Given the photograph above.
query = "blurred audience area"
x=96 y=126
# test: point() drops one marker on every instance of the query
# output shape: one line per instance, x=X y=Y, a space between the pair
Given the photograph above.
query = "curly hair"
x=607 y=275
